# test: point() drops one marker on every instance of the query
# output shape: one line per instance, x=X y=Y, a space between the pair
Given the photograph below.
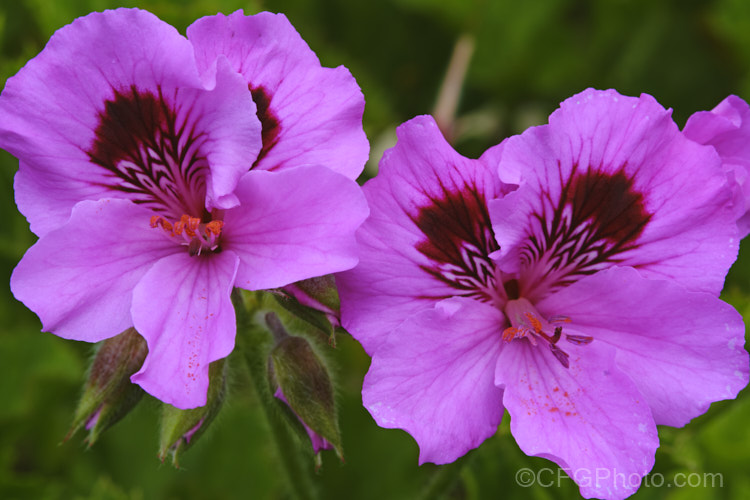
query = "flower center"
x=527 y=323
x=198 y=236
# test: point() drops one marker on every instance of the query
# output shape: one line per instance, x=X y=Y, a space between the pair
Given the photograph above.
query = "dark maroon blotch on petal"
x=597 y=216
x=268 y=120
x=512 y=289
x=151 y=158
x=459 y=240
x=129 y=120
x=609 y=202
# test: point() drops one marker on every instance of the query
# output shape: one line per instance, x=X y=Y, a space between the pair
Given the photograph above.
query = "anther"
x=579 y=339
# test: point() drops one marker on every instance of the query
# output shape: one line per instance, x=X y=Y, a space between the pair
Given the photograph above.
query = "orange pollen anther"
x=198 y=236
x=526 y=324
x=214 y=227
x=534 y=322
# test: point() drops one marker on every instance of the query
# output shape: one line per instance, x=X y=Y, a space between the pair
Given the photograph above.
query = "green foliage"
x=529 y=56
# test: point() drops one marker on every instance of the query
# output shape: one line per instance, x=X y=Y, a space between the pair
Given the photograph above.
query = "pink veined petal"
x=226 y=115
x=79 y=278
x=612 y=181
x=292 y=225
x=727 y=129
x=433 y=378
x=182 y=307
x=590 y=418
x=114 y=107
x=311 y=115
x=684 y=350
x=428 y=236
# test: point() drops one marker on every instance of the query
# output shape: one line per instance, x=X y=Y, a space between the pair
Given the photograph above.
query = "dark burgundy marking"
x=139 y=143
x=270 y=126
x=512 y=289
x=597 y=217
x=459 y=240
x=610 y=203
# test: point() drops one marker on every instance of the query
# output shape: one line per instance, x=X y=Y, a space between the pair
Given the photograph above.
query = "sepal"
x=315 y=300
x=301 y=379
x=180 y=429
x=109 y=394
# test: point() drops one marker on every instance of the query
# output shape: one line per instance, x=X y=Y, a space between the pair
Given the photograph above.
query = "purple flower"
x=160 y=172
x=577 y=289
x=727 y=129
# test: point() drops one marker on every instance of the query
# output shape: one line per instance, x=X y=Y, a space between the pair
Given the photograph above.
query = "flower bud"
x=316 y=300
x=318 y=442
x=109 y=394
x=181 y=428
x=303 y=383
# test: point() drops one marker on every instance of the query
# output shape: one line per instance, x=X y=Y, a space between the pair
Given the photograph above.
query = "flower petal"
x=433 y=378
x=182 y=307
x=79 y=278
x=311 y=115
x=727 y=129
x=292 y=225
x=226 y=115
x=589 y=419
x=428 y=236
x=114 y=106
x=612 y=181
x=684 y=350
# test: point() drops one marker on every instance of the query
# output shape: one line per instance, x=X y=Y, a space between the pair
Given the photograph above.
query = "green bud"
x=304 y=384
x=316 y=300
x=181 y=428
x=109 y=394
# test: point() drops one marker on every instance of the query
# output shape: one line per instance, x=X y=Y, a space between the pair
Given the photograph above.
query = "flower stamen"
x=527 y=324
x=197 y=236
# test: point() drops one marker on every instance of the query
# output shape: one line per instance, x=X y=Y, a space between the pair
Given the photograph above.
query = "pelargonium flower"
x=727 y=129
x=569 y=276
x=160 y=172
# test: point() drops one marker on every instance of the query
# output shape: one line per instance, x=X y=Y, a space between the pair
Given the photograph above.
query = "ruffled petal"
x=684 y=350
x=225 y=115
x=182 y=307
x=433 y=378
x=311 y=115
x=727 y=129
x=114 y=106
x=292 y=225
x=590 y=418
x=428 y=236
x=612 y=181
x=79 y=278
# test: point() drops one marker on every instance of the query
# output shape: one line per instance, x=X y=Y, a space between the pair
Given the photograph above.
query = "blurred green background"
x=528 y=57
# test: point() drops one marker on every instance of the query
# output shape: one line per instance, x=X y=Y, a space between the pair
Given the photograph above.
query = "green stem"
x=443 y=480
x=255 y=342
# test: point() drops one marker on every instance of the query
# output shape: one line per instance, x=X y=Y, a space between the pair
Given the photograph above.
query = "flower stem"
x=255 y=342
x=443 y=480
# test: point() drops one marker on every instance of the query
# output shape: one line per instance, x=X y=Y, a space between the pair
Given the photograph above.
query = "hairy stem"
x=255 y=343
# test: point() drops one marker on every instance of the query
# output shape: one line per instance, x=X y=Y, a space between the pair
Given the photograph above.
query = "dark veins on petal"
x=151 y=157
x=458 y=241
x=598 y=216
x=268 y=120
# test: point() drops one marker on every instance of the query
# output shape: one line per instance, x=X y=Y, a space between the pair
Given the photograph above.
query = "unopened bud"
x=109 y=394
x=316 y=300
x=180 y=429
x=317 y=441
x=304 y=384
